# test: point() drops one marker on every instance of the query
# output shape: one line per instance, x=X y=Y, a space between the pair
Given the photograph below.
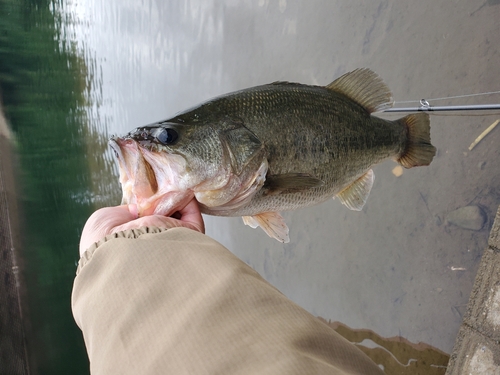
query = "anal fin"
x=272 y=223
x=355 y=195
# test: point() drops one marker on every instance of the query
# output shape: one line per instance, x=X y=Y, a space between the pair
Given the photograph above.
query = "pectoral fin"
x=290 y=183
x=355 y=195
x=272 y=223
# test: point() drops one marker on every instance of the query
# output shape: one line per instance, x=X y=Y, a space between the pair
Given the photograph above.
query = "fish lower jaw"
x=145 y=206
x=165 y=204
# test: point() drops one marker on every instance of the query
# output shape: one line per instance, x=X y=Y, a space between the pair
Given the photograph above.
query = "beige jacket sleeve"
x=156 y=301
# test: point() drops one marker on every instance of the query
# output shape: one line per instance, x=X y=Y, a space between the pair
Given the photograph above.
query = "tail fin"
x=419 y=150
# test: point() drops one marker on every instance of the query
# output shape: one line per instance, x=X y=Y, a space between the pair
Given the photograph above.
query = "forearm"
x=178 y=302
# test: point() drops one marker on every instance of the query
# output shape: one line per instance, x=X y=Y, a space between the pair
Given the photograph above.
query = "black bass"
x=270 y=148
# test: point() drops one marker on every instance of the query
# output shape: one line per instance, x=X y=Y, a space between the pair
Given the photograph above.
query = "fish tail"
x=418 y=149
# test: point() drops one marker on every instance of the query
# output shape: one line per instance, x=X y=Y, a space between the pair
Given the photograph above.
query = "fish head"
x=164 y=165
x=160 y=165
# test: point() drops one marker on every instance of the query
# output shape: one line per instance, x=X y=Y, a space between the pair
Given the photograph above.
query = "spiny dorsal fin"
x=272 y=223
x=365 y=88
x=355 y=195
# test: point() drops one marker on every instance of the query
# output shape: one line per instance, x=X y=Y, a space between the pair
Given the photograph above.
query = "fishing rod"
x=426 y=107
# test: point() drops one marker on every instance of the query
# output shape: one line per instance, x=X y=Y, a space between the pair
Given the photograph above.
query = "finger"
x=191 y=214
x=102 y=222
x=110 y=217
x=134 y=210
x=104 y=219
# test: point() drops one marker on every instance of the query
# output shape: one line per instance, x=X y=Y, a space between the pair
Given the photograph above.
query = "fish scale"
x=314 y=130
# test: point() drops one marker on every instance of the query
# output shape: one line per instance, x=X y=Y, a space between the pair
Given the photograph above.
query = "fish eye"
x=167 y=136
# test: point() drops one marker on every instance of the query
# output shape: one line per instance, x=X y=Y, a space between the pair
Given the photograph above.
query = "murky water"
x=398 y=267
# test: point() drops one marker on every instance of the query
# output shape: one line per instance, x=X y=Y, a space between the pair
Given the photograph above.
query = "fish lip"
x=116 y=144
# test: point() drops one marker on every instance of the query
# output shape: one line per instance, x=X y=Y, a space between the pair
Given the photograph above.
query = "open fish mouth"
x=137 y=176
x=154 y=181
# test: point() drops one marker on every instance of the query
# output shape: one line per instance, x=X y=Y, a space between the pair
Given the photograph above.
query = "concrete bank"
x=477 y=346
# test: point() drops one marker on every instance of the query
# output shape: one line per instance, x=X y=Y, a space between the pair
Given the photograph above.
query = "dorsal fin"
x=364 y=87
x=283 y=83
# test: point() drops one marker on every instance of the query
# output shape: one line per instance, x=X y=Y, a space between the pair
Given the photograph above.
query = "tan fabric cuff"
x=130 y=233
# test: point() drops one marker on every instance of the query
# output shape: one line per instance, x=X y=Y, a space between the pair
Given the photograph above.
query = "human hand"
x=108 y=220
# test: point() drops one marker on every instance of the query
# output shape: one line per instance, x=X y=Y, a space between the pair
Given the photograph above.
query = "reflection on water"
x=399 y=267
x=396 y=355
x=48 y=90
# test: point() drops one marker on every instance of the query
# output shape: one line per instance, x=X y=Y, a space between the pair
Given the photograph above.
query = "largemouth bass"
x=270 y=148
